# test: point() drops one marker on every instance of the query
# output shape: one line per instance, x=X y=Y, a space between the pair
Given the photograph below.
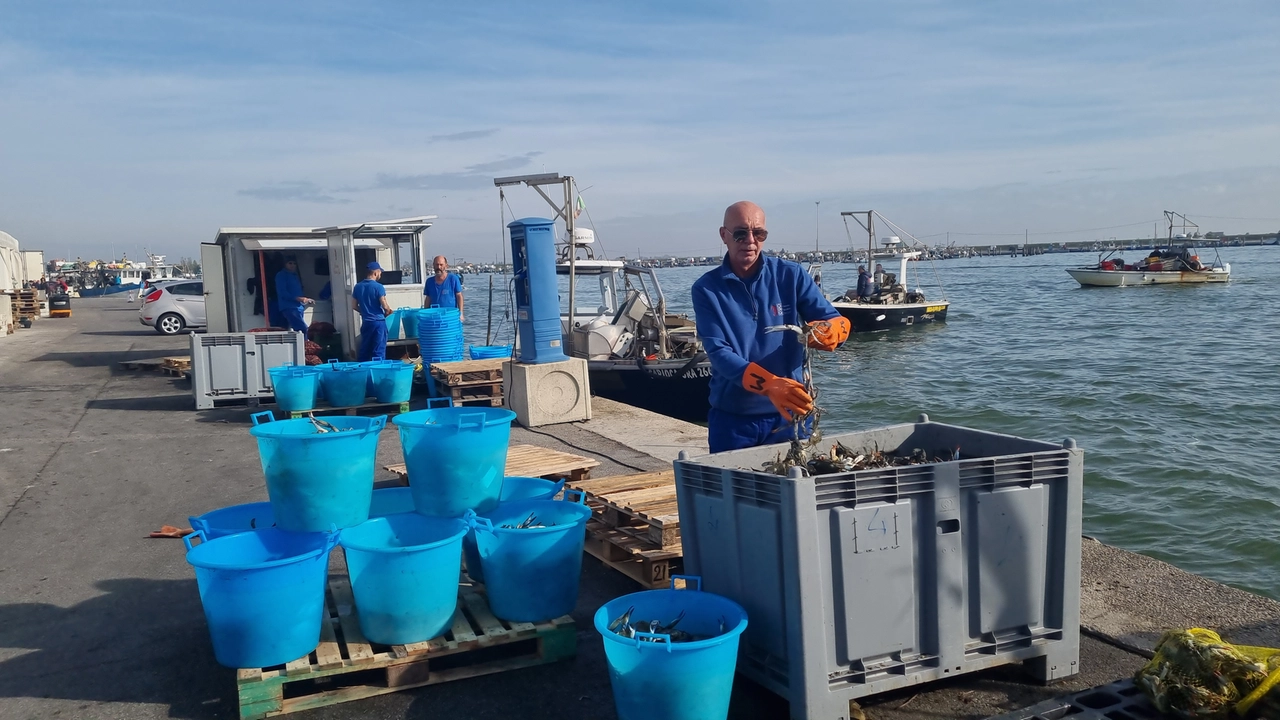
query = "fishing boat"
x=892 y=305
x=112 y=278
x=1177 y=263
x=637 y=353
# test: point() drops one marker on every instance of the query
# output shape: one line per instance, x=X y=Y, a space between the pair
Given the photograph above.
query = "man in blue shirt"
x=289 y=297
x=864 y=284
x=444 y=289
x=369 y=299
x=756 y=388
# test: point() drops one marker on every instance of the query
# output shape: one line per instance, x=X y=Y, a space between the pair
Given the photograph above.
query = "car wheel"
x=170 y=324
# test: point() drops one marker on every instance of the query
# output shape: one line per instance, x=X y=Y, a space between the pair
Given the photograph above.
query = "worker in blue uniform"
x=444 y=289
x=289 y=296
x=756 y=388
x=369 y=299
x=864 y=284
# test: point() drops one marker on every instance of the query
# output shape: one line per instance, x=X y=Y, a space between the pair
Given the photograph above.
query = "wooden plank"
x=492 y=626
x=618 y=483
x=358 y=648
x=461 y=628
x=301 y=666
x=249 y=675
x=328 y=654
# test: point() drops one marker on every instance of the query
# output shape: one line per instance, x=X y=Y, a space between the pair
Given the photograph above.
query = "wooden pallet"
x=468 y=372
x=642 y=505
x=486 y=394
x=633 y=556
x=178 y=362
x=367 y=408
x=534 y=461
x=345 y=666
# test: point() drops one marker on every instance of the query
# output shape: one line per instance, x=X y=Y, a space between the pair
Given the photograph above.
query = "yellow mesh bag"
x=1196 y=675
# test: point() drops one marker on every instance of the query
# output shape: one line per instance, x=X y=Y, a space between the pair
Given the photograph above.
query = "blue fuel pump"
x=533 y=253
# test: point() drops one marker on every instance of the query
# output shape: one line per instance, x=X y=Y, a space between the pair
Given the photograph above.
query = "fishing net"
x=1197 y=676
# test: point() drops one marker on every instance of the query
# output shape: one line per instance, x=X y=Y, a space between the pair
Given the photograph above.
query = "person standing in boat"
x=444 y=289
x=864 y=284
x=756 y=388
x=369 y=299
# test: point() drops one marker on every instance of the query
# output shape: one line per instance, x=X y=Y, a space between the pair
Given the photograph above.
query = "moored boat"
x=1176 y=264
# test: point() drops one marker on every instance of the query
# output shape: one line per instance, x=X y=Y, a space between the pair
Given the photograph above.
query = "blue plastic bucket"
x=262 y=592
x=391 y=501
x=409 y=321
x=531 y=575
x=513 y=489
x=345 y=384
x=404 y=572
x=315 y=479
x=392 y=381
x=234 y=519
x=393 y=325
x=295 y=387
x=489 y=352
x=455 y=457
x=674 y=681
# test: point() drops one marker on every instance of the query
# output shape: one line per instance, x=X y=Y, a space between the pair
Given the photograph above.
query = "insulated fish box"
x=861 y=582
x=232 y=367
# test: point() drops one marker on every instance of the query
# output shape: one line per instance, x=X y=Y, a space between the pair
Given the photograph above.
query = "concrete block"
x=547 y=393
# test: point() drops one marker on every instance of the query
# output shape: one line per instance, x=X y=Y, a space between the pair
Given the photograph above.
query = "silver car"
x=173 y=306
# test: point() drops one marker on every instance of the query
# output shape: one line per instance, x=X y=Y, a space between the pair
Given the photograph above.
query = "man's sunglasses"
x=743 y=234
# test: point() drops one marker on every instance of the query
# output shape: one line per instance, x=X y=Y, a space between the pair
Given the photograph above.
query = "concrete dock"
x=97 y=621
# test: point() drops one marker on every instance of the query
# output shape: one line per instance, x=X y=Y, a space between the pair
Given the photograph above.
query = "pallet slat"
x=646 y=500
x=533 y=461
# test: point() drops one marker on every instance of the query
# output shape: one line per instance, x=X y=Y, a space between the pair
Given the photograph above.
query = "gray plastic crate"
x=231 y=367
x=1120 y=700
x=858 y=583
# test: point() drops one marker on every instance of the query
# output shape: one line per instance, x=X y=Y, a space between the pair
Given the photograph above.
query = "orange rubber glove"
x=828 y=334
x=787 y=395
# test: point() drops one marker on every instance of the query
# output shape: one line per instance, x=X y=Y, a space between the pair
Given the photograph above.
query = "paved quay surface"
x=96 y=621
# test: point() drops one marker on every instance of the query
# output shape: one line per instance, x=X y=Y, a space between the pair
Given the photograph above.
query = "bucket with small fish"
x=513 y=489
x=531 y=555
x=295 y=386
x=319 y=472
x=345 y=384
x=455 y=457
x=672 y=653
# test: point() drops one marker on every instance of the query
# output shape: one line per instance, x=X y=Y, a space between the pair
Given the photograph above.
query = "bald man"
x=756 y=387
x=444 y=289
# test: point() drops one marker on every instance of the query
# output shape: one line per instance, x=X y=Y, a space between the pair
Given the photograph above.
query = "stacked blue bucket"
x=440 y=335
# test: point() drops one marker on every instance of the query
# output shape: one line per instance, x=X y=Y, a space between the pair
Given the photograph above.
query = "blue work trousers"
x=293 y=316
x=373 y=340
x=727 y=431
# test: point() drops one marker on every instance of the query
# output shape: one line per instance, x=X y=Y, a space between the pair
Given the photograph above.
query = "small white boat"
x=1175 y=265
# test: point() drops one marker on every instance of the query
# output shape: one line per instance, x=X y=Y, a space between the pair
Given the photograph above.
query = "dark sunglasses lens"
x=742 y=235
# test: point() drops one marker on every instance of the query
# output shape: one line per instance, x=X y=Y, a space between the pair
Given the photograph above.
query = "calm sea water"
x=1173 y=392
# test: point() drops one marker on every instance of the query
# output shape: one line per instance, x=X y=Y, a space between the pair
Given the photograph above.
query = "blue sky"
x=150 y=124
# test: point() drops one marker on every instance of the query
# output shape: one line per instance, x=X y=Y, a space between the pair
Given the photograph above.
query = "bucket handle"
x=474 y=421
x=694 y=581
x=332 y=537
x=198 y=524
x=655 y=636
x=257 y=417
x=480 y=523
x=198 y=534
x=582 y=495
x=333 y=361
x=376 y=424
x=555 y=490
x=448 y=402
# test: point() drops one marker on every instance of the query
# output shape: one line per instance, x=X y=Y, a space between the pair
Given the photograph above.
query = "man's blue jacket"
x=732 y=314
x=288 y=290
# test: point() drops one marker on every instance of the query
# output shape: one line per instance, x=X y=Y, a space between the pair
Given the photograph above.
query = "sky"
x=131 y=125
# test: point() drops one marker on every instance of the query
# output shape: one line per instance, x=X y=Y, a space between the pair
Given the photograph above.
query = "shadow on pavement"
x=101 y=359
x=142 y=641
x=167 y=403
x=146 y=332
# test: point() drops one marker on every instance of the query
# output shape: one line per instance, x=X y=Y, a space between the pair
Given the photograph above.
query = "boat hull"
x=1091 y=277
x=108 y=290
x=669 y=387
x=869 y=318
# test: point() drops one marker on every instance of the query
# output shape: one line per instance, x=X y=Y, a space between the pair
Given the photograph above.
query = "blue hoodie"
x=732 y=314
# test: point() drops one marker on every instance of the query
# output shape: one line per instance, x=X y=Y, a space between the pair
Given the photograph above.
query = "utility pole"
x=815 y=224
